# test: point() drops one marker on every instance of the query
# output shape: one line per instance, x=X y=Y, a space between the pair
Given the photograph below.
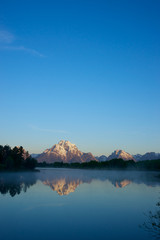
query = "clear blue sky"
x=85 y=71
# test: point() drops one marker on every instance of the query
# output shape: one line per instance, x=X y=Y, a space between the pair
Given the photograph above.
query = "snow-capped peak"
x=66 y=144
x=65 y=151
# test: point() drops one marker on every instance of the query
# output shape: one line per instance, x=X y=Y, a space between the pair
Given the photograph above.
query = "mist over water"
x=77 y=204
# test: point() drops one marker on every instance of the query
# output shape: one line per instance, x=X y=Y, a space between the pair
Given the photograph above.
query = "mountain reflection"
x=64 y=181
x=63 y=186
x=122 y=183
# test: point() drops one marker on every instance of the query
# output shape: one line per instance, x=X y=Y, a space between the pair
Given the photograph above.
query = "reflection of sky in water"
x=101 y=204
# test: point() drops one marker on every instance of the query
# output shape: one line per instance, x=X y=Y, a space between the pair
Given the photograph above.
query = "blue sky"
x=85 y=71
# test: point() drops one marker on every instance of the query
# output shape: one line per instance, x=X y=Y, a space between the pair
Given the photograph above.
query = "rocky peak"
x=121 y=154
x=65 y=151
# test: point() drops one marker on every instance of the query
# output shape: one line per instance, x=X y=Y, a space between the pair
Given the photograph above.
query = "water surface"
x=78 y=204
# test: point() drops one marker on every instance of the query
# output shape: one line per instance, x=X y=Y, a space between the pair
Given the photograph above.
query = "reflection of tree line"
x=15 y=184
x=66 y=182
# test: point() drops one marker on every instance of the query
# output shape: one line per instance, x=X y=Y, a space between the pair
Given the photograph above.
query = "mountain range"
x=126 y=156
x=68 y=152
x=147 y=156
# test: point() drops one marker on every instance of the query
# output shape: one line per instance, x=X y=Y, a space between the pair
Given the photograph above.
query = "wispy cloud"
x=6 y=37
x=47 y=129
x=21 y=48
x=6 y=40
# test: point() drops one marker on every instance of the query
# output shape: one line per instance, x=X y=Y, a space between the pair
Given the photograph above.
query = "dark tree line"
x=15 y=158
x=112 y=164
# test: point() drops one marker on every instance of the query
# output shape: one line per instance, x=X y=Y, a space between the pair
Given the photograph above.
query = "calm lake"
x=78 y=204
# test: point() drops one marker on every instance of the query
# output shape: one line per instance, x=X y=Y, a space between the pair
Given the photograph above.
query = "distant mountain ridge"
x=126 y=156
x=68 y=152
x=34 y=155
x=147 y=156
